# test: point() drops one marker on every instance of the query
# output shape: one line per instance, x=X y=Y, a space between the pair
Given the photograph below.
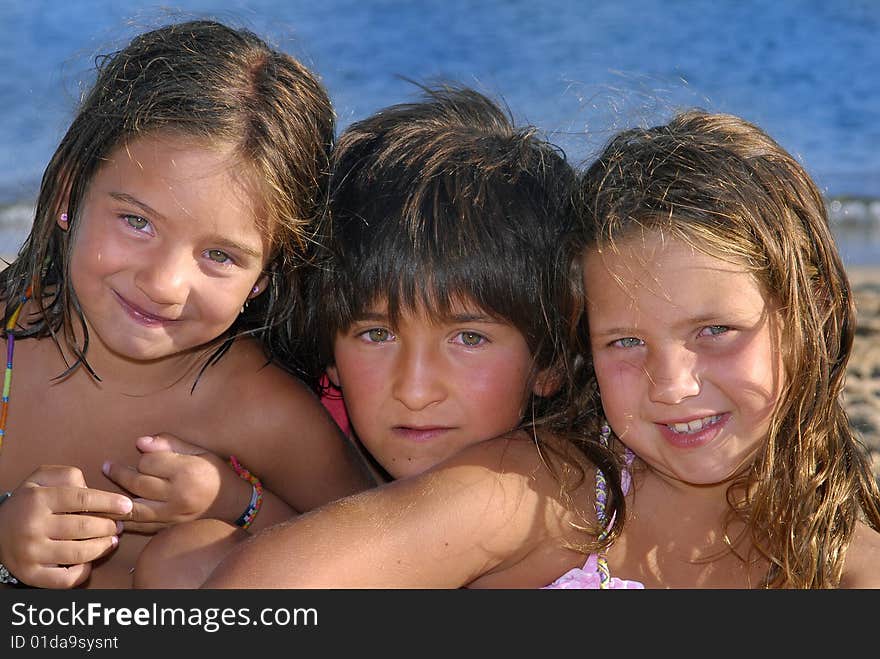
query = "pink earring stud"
x=64 y=218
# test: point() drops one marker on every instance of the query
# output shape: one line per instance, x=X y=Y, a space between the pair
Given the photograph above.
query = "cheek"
x=617 y=375
x=753 y=374
x=361 y=378
x=620 y=383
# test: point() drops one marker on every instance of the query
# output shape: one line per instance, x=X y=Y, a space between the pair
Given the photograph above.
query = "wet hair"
x=445 y=201
x=215 y=85
x=723 y=186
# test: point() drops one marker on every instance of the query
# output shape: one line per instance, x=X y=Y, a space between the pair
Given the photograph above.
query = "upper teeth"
x=696 y=424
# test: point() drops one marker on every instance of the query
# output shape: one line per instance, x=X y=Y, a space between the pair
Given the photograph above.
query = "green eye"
x=136 y=222
x=218 y=256
x=378 y=335
x=471 y=338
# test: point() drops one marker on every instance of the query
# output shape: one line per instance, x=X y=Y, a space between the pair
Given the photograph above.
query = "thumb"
x=168 y=443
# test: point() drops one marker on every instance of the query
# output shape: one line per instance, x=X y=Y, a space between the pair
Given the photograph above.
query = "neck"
x=118 y=373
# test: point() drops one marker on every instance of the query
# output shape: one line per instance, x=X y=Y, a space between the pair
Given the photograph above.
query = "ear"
x=259 y=287
x=547 y=382
x=61 y=218
x=333 y=374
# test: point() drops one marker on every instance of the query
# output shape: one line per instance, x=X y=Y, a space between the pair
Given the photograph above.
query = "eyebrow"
x=706 y=319
x=454 y=318
x=218 y=240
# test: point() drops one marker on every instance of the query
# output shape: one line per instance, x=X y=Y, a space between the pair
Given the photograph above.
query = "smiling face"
x=686 y=353
x=419 y=390
x=166 y=250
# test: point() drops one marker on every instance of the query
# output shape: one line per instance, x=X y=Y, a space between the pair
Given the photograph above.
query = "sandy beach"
x=862 y=391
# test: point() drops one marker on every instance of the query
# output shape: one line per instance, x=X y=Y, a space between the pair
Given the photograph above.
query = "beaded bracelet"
x=244 y=521
x=5 y=574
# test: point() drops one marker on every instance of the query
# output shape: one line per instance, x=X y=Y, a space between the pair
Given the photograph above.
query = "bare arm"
x=485 y=510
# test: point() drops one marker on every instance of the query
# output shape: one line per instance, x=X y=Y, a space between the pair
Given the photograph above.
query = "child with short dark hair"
x=442 y=300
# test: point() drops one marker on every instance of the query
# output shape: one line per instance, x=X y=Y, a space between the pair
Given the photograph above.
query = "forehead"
x=657 y=276
x=183 y=175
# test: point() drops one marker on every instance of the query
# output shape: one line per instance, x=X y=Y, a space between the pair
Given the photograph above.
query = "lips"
x=420 y=434
x=141 y=316
x=693 y=433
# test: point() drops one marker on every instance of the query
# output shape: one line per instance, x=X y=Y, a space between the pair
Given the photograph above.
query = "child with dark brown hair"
x=159 y=291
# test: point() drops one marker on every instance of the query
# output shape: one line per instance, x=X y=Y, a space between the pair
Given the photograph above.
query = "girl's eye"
x=472 y=339
x=136 y=222
x=714 y=330
x=377 y=335
x=218 y=256
x=627 y=342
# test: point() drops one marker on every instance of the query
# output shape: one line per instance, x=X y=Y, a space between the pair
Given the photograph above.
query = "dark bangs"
x=463 y=237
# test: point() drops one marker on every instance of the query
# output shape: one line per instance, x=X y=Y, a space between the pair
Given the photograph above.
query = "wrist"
x=256 y=501
x=5 y=575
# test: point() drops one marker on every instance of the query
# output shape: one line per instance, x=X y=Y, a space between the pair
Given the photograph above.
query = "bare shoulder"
x=269 y=403
x=247 y=375
x=279 y=429
x=862 y=568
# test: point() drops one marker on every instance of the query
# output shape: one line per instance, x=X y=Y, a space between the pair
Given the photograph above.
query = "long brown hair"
x=205 y=81
x=728 y=189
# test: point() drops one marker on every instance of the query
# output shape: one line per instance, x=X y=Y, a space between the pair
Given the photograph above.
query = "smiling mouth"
x=694 y=426
x=141 y=316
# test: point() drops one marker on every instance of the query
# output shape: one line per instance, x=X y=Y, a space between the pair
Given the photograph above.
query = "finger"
x=146 y=527
x=89 y=500
x=58 y=577
x=57 y=476
x=165 y=442
x=73 y=552
x=82 y=527
x=146 y=510
x=59 y=553
x=147 y=485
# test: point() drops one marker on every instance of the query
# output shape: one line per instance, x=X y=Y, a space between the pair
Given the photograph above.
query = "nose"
x=672 y=375
x=418 y=377
x=164 y=276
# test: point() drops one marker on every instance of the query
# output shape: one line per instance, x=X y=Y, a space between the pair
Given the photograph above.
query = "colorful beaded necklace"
x=7 y=378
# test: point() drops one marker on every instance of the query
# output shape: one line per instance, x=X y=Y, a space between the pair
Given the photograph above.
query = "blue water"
x=805 y=70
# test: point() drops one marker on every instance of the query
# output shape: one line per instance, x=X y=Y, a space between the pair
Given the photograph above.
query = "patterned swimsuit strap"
x=601 y=502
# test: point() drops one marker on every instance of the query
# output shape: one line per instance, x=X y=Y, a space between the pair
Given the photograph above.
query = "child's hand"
x=175 y=481
x=53 y=527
